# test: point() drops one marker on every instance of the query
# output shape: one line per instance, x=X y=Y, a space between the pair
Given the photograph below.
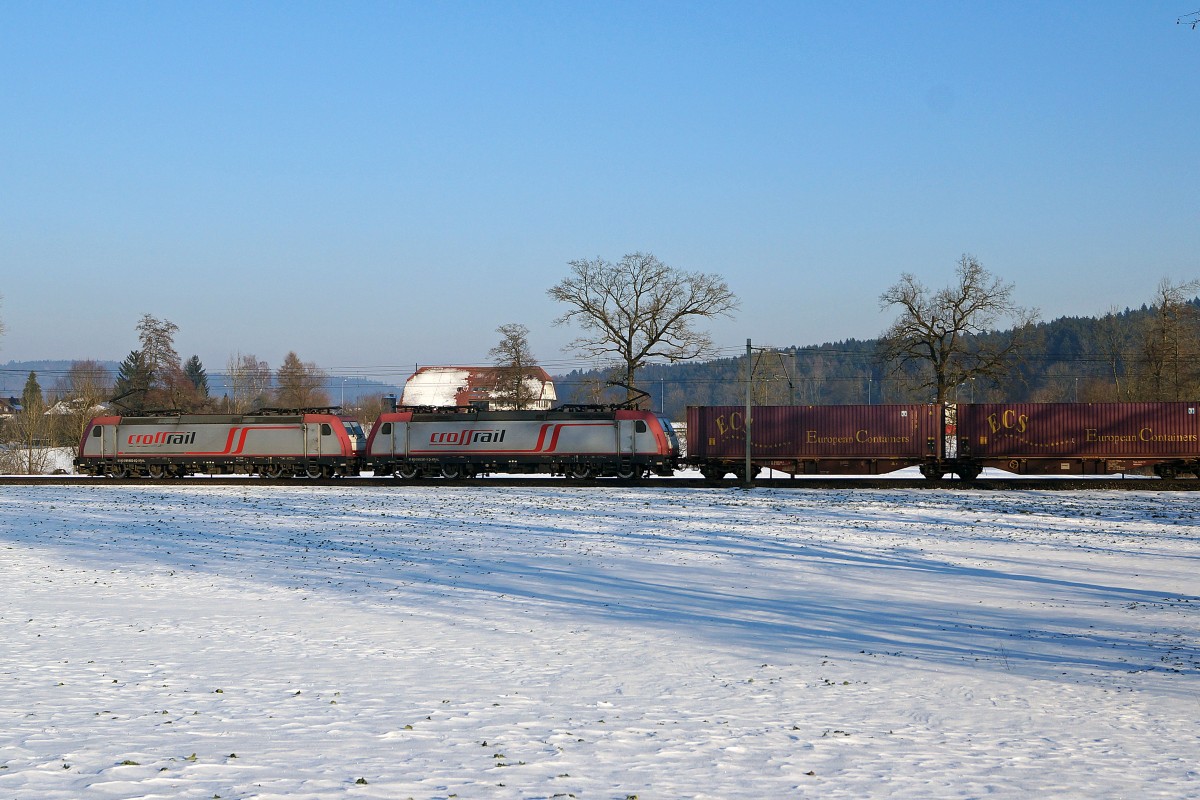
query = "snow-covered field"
x=492 y=642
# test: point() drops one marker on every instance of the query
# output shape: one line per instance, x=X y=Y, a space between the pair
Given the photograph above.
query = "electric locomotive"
x=575 y=441
x=273 y=443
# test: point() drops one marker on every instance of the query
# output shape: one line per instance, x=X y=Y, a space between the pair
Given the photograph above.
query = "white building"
x=464 y=386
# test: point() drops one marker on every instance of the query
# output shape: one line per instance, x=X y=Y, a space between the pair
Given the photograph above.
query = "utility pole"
x=749 y=479
x=792 y=380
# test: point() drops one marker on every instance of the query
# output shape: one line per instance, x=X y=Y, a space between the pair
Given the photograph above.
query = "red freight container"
x=1106 y=438
x=863 y=440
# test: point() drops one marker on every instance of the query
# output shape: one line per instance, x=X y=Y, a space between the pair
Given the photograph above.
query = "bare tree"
x=1112 y=344
x=368 y=409
x=1171 y=343
x=949 y=335
x=158 y=343
x=639 y=308
x=170 y=386
x=299 y=384
x=249 y=381
x=517 y=378
x=86 y=385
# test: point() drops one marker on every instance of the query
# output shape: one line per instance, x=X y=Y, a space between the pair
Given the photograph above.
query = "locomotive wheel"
x=453 y=472
x=273 y=471
x=314 y=471
x=121 y=471
x=580 y=472
x=629 y=473
x=407 y=472
x=156 y=471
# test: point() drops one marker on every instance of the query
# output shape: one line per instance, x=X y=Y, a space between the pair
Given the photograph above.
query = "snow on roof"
x=460 y=386
x=436 y=386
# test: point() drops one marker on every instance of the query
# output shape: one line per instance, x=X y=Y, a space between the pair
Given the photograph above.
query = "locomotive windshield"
x=669 y=430
x=355 y=432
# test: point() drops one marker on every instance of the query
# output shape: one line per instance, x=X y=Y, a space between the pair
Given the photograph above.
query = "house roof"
x=460 y=386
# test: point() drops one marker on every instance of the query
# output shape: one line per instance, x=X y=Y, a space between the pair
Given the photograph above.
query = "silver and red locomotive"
x=576 y=441
x=274 y=443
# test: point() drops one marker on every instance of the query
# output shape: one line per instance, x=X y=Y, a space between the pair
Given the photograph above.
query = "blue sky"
x=375 y=185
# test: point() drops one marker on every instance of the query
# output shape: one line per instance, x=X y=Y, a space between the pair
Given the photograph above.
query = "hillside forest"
x=1144 y=354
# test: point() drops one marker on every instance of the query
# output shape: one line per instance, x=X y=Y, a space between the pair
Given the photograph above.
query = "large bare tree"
x=516 y=368
x=639 y=308
x=950 y=336
x=299 y=384
x=170 y=386
x=158 y=343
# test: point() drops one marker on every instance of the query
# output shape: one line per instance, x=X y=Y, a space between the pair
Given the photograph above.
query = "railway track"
x=801 y=483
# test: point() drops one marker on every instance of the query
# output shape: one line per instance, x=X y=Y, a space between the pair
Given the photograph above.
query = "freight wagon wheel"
x=969 y=473
x=407 y=472
x=157 y=471
x=1166 y=472
x=712 y=473
x=739 y=472
x=932 y=472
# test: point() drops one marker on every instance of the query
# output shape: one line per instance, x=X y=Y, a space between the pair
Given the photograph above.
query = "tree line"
x=152 y=378
x=966 y=342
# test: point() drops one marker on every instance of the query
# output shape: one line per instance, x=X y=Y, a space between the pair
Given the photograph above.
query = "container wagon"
x=274 y=444
x=575 y=441
x=815 y=440
x=1079 y=438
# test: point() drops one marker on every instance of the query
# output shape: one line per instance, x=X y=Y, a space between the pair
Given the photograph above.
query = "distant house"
x=78 y=406
x=9 y=407
x=466 y=386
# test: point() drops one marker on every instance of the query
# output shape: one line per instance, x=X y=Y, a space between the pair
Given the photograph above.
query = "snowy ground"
x=475 y=642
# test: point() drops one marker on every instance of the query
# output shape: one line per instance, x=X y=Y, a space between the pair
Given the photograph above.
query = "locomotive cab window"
x=386 y=430
x=326 y=430
x=96 y=431
x=640 y=427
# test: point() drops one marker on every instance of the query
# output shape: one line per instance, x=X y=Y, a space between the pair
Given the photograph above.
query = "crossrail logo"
x=162 y=438
x=469 y=436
